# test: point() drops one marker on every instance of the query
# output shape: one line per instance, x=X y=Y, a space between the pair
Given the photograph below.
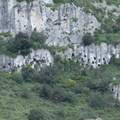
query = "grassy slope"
x=15 y=107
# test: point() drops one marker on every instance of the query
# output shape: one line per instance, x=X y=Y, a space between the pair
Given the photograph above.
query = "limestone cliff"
x=60 y=27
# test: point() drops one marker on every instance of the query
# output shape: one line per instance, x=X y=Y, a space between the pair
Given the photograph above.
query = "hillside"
x=59 y=59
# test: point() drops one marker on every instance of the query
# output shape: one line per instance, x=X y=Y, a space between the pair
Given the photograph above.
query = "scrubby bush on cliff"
x=115 y=61
x=87 y=39
x=28 y=1
x=21 y=43
x=62 y=1
x=38 y=37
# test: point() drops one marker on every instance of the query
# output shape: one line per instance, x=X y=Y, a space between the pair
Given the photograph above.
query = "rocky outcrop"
x=41 y=58
x=116 y=90
x=93 y=55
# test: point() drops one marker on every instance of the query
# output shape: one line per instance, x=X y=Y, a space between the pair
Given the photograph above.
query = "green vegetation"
x=21 y=43
x=64 y=91
x=16 y=6
x=87 y=39
x=74 y=19
x=28 y=1
x=6 y=34
x=55 y=6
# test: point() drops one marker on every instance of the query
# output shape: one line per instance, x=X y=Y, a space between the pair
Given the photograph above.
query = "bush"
x=87 y=39
x=17 y=77
x=21 y=43
x=28 y=1
x=61 y=95
x=38 y=37
x=115 y=61
x=46 y=91
x=61 y=112
x=28 y=73
x=70 y=97
x=46 y=75
x=62 y=1
x=101 y=85
x=58 y=95
x=38 y=114
x=25 y=92
x=97 y=100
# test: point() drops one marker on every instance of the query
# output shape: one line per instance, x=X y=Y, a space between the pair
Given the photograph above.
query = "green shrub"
x=115 y=61
x=97 y=100
x=101 y=85
x=38 y=37
x=16 y=6
x=61 y=95
x=62 y=1
x=46 y=91
x=28 y=73
x=17 y=77
x=54 y=7
x=25 y=92
x=58 y=95
x=6 y=34
x=74 y=19
x=21 y=43
x=48 y=5
x=87 y=39
x=28 y=1
x=38 y=114
x=61 y=112
x=46 y=75
x=70 y=97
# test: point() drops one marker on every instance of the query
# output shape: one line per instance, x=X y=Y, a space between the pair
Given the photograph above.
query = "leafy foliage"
x=21 y=43
x=28 y=1
x=87 y=39
x=37 y=114
x=17 y=77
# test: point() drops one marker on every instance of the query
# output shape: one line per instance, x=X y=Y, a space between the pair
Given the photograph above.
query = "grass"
x=16 y=107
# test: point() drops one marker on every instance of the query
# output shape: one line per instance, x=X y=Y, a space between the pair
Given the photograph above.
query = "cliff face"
x=63 y=26
x=59 y=24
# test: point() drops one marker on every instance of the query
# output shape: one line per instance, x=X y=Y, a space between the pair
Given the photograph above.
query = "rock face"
x=92 y=55
x=41 y=57
x=63 y=26
x=116 y=90
x=60 y=25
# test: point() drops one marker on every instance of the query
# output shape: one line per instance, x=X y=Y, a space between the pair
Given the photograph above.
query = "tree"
x=46 y=75
x=38 y=37
x=37 y=114
x=21 y=43
x=17 y=77
x=28 y=73
x=87 y=39
x=97 y=100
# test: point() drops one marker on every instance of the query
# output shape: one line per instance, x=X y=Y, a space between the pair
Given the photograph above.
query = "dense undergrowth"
x=65 y=91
